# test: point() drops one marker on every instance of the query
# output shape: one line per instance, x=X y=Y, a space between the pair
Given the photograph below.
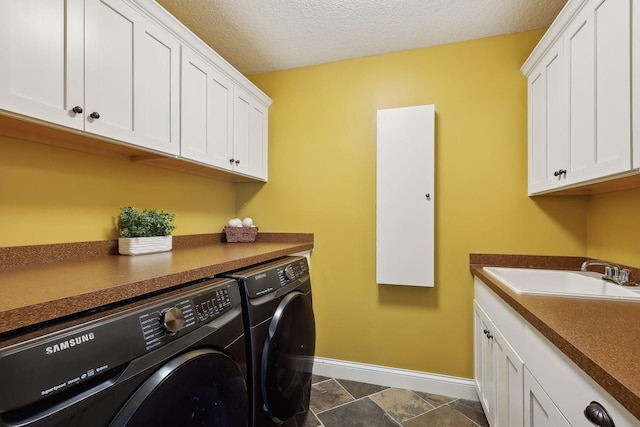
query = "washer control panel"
x=163 y=322
x=212 y=304
x=166 y=321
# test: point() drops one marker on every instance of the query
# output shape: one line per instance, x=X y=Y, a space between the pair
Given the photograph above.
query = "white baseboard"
x=444 y=385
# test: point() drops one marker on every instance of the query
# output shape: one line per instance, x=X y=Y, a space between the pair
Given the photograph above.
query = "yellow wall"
x=54 y=195
x=613 y=227
x=322 y=180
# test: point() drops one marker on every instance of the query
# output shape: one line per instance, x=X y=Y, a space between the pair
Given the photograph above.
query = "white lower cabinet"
x=499 y=368
x=522 y=379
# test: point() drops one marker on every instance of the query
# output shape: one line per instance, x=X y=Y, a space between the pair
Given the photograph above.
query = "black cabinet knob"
x=94 y=115
x=598 y=416
x=77 y=109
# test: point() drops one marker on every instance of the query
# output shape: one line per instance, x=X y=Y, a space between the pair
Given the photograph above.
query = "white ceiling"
x=257 y=36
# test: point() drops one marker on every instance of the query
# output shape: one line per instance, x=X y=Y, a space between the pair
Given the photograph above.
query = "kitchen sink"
x=565 y=283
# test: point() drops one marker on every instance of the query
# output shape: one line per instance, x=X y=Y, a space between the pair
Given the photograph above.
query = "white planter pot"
x=144 y=245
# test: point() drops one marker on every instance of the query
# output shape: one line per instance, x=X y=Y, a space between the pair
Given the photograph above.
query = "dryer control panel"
x=292 y=271
x=270 y=277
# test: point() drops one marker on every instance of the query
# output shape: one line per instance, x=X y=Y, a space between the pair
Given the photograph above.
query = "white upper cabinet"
x=580 y=116
x=94 y=65
x=223 y=125
x=128 y=71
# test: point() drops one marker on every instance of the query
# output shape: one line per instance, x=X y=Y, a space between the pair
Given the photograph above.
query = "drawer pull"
x=597 y=415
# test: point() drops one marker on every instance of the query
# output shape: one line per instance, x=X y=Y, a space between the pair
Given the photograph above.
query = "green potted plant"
x=144 y=232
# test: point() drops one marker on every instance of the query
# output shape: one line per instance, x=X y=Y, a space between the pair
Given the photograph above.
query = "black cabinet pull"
x=597 y=415
x=77 y=109
x=95 y=115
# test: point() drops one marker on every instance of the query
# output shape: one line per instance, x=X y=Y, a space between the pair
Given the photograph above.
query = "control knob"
x=288 y=272
x=172 y=320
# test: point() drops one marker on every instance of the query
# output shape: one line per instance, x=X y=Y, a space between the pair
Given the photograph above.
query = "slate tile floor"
x=342 y=403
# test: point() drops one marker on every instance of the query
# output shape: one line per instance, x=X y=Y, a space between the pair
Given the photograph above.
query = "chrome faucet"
x=612 y=272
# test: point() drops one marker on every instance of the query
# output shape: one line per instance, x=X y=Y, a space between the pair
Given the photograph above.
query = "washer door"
x=287 y=358
x=201 y=388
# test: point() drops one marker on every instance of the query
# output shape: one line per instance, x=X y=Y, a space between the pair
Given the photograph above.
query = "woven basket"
x=241 y=234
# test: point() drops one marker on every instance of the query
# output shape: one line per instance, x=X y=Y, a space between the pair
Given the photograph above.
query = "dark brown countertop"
x=40 y=284
x=601 y=337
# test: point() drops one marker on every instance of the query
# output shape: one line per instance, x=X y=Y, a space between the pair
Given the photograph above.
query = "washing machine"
x=177 y=359
x=281 y=334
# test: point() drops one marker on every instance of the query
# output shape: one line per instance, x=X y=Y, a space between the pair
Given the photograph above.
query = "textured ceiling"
x=257 y=36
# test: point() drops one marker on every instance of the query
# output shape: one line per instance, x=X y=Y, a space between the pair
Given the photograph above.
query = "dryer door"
x=201 y=388
x=287 y=358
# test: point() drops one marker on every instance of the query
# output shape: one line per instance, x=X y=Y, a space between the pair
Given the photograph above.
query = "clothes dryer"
x=177 y=359
x=281 y=335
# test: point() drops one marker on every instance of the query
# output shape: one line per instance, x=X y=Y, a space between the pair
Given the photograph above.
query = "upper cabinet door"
x=111 y=42
x=41 y=71
x=131 y=77
x=207 y=113
x=580 y=96
x=249 y=135
x=598 y=46
x=157 y=80
x=548 y=121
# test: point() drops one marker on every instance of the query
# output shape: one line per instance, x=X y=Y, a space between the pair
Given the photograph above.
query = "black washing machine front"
x=281 y=335
x=174 y=360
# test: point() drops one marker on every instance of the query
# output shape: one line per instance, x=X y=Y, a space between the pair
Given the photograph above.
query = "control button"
x=288 y=272
x=172 y=320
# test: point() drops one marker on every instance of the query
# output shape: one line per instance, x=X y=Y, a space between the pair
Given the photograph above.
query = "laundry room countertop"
x=45 y=283
x=603 y=345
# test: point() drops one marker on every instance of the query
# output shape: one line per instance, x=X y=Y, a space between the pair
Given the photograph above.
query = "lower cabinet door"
x=539 y=409
x=509 y=383
x=485 y=375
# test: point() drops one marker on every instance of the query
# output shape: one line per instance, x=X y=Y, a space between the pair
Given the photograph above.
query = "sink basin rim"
x=560 y=283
